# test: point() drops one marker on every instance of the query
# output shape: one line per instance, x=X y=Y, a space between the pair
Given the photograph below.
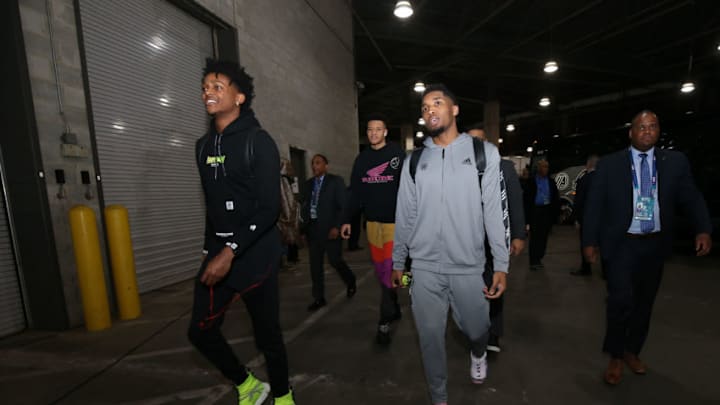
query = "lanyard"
x=634 y=176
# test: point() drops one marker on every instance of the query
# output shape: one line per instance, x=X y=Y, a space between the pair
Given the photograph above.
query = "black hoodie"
x=242 y=198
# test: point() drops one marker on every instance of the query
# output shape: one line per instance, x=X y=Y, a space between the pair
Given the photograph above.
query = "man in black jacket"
x=239 y=169
x=517 y=239
x=629 y=216
x=542 y=204
x=323 y=208
x=373 y=190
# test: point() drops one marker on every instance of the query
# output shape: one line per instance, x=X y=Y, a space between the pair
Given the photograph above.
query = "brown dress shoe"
x=613 y=374
x=637 y=366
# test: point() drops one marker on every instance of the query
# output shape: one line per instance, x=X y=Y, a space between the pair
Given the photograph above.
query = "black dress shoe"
x=351 y=290
x=317 y=304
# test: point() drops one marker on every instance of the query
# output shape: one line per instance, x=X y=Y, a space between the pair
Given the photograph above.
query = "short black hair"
x=237 y=75
x=321 y=156
x=376 y=116
x=643 y=112
x=475 y=125
x=441 y=88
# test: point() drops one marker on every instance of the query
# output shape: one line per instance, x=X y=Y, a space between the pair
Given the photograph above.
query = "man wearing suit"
x=629 y=216
x=542 y=205
x=323 y=206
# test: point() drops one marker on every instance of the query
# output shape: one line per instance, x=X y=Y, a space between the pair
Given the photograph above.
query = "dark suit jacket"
x=531 y=193
x=331 y=204
x=609 y=206
x=581 y=193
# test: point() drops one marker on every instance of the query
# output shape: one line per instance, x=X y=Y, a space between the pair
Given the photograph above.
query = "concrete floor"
x=551 y=351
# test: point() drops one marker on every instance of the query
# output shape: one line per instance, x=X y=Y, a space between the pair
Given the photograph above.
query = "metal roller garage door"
x=144 y=66
x=12 y=313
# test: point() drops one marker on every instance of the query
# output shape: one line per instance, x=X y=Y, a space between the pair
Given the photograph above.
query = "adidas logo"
x=467 y=161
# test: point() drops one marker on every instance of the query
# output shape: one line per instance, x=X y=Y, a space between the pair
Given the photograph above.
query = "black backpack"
x=478 y=146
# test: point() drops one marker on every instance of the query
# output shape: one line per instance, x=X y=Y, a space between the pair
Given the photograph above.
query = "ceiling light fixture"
x=500 y=140
x=544 y=102
x=529 y=149
x=551 y=67
x=718 y=47
x=687 y=87
x=418 y=134
x=510 y=127
x=419 y=87
x=556 y=136
x=421 y=121
x=403 y=9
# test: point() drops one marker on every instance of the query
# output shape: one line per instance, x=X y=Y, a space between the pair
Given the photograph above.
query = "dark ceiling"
x=616 y=57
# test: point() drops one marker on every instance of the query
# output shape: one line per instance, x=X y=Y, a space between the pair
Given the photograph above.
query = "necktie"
x=646 y=226
x=315 y=198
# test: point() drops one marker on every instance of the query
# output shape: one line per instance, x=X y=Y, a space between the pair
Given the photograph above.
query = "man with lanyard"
x=373 y=188
x=634 y=234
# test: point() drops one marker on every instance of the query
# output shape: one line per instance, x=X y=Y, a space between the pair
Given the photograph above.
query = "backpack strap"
x=479 y=147
x=414 y=159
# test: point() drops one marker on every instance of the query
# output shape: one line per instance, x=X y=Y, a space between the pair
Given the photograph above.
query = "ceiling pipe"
x=602 y=99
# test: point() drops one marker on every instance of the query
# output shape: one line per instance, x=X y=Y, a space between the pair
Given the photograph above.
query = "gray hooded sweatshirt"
x=442 y=216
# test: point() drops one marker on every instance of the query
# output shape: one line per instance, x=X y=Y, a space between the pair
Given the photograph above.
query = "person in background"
x=323 y=208
x=289 y=220
x=581 y=192
x=517 y=238
x=542 y=205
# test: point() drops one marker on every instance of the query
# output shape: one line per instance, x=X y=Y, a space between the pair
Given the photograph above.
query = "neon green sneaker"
x=286 y=399
x=252 y=391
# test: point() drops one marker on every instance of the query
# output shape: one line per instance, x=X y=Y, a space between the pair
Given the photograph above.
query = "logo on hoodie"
x=374 y=175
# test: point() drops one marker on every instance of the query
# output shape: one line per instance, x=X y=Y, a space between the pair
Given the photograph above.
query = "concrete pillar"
x=407 y=137
x=491 y=120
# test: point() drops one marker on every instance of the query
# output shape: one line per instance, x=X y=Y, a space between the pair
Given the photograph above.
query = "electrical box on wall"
x=75 y=151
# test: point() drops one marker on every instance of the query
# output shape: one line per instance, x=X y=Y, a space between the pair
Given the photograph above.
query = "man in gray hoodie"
x=443 y=215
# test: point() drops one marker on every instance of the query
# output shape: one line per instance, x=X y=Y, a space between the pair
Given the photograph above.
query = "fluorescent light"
x=687 y=87
x=551 y=67
x=510 y=127
x=403 y=9
x=419 y=87
x=529 y=149
x=544 y=102
x=418 y=134
x=421 y=121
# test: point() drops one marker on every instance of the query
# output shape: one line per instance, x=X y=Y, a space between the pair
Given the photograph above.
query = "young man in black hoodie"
x=373 y=188
x=239 y=169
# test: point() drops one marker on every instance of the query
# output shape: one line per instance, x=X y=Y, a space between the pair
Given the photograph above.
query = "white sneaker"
x=478 y=368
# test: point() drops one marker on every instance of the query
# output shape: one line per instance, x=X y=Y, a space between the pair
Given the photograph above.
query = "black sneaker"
x=493 y=344
x=317 y=304
x=383 y=334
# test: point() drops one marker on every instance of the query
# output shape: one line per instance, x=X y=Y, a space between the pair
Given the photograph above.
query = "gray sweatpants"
x=432 y=294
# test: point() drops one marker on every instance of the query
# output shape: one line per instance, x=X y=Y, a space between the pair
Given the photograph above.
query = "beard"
x=434 y=133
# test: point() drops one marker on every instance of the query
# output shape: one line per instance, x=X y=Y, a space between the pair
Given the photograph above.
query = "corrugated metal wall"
x=144 y=62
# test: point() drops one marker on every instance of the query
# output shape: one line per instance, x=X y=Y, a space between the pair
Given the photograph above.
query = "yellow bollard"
x=89 y=268
x=122 y=261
